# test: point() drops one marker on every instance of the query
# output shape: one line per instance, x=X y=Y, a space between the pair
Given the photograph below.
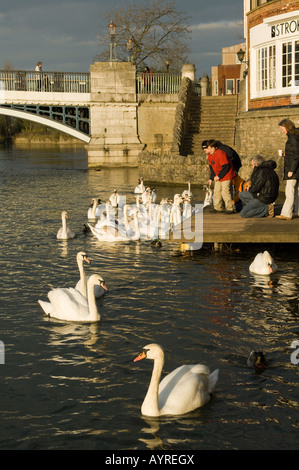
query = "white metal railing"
x=158 y=83
x=66 y=82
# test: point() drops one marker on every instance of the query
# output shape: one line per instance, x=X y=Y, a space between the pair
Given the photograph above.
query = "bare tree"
x=158 y=34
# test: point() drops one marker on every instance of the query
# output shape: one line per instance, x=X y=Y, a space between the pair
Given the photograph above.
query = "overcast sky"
x=63 y=34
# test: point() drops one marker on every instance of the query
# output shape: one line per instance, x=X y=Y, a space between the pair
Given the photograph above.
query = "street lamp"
x=241 y=55
x=167 y=63
x=130 y=45
x=111 y=28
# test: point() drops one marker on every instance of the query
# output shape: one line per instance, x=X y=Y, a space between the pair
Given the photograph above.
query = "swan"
x=208 y=197
x=187 y=192
x=68 y=304
x=176 y=213
x=81 y=285
x=186 y=388
x=263 y=264
x=140 y=188
x=65 y=232
x=96 y=209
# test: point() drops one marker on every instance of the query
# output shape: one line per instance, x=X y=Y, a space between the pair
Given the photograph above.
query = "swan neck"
x=92 y=306
x=82 y=277
x=150 y=404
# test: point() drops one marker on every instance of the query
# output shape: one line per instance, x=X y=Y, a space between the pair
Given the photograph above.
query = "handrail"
x=65 y=82
x=158 y=83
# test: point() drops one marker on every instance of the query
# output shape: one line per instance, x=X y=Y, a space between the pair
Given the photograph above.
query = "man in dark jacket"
x=258 y=201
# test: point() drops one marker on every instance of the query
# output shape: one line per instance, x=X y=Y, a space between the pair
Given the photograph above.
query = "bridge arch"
x=46 y=122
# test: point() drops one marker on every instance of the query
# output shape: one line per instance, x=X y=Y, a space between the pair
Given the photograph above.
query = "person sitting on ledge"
x=258 y=200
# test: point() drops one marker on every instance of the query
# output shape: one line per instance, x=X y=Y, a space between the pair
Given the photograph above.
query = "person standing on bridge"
x=258 y=200
x=38 y=77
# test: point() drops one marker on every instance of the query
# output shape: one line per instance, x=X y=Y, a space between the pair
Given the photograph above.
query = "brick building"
x=271 y=30
x=226 y=77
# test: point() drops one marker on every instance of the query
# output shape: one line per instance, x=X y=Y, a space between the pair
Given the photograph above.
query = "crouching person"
x=258 y=200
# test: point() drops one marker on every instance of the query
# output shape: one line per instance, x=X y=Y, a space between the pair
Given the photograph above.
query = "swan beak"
x=142 y=355
x=87 y=260
x=270 y=269
x=102 y=283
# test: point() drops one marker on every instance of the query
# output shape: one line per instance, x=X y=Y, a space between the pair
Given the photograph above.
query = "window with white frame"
x=216 y=88
x=266 y=68
x=290 y=63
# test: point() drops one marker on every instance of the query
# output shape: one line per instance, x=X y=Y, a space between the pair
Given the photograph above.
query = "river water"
x=75 y=386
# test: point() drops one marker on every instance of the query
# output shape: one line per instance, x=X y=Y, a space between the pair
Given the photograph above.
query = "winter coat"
x=231 y=154
x=265 y=182
x=291 y=162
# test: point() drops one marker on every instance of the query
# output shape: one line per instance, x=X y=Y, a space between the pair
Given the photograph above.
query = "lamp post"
x=130 y=44
x=111 y=28
x=167 y=63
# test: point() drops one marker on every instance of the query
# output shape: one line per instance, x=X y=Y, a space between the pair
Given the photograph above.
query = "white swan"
x=65 y=232
x=140 y=188
x=176 y=212
x=68 y=304
x=81 y=285
x=208 y=198
x=96 y=210
x=263 y=264
x=186 y=388
x=187 y=192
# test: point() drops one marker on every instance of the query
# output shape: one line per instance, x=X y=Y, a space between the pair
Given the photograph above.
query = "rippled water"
x=75 y=386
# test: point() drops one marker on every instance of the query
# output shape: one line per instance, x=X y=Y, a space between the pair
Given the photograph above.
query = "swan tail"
x=46 y=306
x=213 y=378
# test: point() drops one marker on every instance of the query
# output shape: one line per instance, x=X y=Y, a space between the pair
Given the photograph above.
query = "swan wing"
x=68 y=304
x=184 y=389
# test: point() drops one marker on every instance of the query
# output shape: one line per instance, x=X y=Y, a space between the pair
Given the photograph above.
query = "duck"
x=263 y=264
x=81 y=285
x=183 y=390
x=69 y=304
x=64 y=233
x=257 y=360
x=140 y=188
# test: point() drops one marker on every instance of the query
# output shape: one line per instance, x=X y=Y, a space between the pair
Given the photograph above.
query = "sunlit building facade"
x=271 y=30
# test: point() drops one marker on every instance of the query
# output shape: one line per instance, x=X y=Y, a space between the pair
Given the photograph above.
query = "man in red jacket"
x=222 y=173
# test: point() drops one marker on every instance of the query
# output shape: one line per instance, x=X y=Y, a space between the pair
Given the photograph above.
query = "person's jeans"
x=252 y=207
x=291 y=192
x=222 y=195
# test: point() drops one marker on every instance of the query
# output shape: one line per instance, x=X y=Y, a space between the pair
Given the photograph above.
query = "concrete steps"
x=210 y=117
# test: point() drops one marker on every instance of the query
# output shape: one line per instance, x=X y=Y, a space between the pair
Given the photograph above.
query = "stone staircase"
x=210 y=117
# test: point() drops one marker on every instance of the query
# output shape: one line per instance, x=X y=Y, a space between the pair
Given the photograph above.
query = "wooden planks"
x=224 y=228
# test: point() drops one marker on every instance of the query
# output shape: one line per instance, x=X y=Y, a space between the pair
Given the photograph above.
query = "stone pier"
x=113 y=113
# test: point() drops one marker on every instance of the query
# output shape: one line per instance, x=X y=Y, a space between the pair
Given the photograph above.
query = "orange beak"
x=270 y=269
x=142 y=355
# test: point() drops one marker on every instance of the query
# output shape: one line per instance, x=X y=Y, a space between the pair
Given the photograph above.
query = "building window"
x=216 y=88
x=290 y=64
x=266 y=68
x=230 y=86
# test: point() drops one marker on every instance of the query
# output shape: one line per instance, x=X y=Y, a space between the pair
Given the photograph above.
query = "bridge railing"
x=158 y=83
x=65 y=82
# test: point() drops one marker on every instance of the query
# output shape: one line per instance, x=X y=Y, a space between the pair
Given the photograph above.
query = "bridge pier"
x=113 y=115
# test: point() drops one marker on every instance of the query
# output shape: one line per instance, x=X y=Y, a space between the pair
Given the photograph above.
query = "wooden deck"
x=223 y=228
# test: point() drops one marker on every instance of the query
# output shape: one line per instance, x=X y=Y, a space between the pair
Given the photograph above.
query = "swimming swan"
x=186 y=388
x=140 y=188
x=81 y=285
x=68 y=304
x=263 y=264
x=65 y=232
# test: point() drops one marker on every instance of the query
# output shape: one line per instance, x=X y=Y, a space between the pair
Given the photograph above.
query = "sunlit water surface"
x=75 y=386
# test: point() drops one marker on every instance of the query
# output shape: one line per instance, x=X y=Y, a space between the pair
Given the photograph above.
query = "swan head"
x=268 y=260
x=82 y=256
x=96 y=279
x=150 y=351
x=64 y=215
x=257 y=360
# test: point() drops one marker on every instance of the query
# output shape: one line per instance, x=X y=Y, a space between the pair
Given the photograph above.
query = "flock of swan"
x=186 y=388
